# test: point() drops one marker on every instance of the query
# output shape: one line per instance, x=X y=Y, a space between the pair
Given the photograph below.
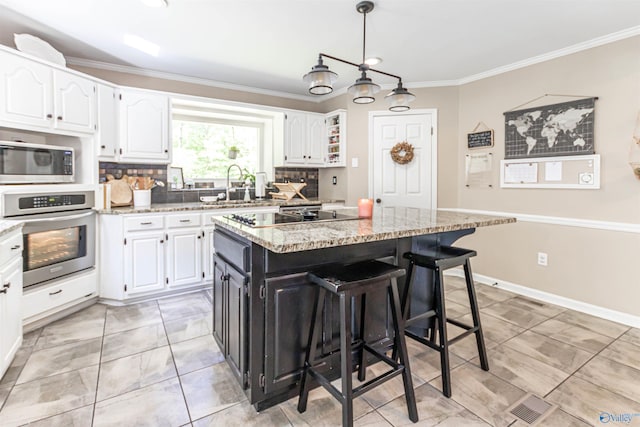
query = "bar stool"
x=347 y=282
x=438 y=259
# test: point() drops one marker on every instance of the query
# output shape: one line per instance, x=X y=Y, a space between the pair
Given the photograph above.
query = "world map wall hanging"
x=551 y=130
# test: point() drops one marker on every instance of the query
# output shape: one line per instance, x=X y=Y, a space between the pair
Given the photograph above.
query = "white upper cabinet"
x=75 y=102
x=25 y=91
x=36 y=97
x=315 y=140
x=304 y=138
x=107 y=136
x=144 y=126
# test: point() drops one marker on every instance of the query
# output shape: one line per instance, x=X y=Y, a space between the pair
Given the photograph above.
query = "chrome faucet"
x=228 y=181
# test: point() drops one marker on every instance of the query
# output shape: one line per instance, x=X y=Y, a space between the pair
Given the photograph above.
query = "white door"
x=412 y=184
x=295 y=138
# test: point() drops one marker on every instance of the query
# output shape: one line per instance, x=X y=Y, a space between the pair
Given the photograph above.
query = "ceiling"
x=268 y=45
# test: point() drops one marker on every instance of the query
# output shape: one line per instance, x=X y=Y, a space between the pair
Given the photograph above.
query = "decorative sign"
x=480 y=139
x=551 y=130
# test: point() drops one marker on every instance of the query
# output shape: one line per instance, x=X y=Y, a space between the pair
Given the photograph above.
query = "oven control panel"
x=50 y=201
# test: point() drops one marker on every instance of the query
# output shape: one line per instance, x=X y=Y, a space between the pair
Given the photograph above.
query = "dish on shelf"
x=37 y=47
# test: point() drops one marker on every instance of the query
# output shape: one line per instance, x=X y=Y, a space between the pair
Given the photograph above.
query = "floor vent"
x=531 y=409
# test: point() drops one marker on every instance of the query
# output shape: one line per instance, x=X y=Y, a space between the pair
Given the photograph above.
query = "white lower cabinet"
x=184 y=255
x=10 y=298
x=143 y=262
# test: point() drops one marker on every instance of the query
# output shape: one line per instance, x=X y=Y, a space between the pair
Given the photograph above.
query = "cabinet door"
x=107 y=136
x=316 y=131
x=219 y=294
x=207 y=254
x=10 y=312
x=144 y=262
x=184 y=255
x=75 y=102
x=237 y=322
x=288 y=306
x=25 y=91
x=295 y=138
x=144 y=126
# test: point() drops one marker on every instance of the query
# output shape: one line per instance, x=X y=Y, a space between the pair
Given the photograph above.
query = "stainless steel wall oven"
x=59 y=232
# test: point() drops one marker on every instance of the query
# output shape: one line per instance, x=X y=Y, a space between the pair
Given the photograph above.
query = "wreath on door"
x=402 y=153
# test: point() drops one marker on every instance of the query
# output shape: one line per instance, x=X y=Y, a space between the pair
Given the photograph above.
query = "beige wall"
x=588 y=265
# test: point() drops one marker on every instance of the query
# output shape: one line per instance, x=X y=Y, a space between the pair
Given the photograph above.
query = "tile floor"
x=157 y=364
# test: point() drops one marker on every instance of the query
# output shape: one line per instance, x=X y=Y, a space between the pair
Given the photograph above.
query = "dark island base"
x=263 y=303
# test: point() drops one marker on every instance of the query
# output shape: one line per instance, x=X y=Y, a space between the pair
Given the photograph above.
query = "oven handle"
x=62 y=217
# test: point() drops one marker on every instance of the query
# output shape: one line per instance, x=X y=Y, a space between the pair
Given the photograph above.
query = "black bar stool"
x=438 y=259
x=349 y=281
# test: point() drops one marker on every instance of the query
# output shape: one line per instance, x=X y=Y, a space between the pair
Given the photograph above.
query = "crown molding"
x=182 y=78
x=610 y=38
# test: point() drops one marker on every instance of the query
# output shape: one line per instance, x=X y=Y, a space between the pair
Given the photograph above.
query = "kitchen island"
x=263 y=300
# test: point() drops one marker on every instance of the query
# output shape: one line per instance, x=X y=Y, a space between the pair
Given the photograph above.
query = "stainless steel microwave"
x=25 y=163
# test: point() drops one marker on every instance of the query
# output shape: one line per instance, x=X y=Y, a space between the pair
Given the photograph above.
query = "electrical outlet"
x=334 y=180
x=542 y=258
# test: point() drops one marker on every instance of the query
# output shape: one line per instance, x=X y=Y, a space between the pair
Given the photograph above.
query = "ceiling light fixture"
x=321 y=79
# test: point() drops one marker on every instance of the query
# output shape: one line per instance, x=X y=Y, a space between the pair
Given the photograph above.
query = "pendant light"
x=320 y=79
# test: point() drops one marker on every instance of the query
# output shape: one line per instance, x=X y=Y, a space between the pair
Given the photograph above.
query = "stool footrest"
x=426 y=315
x=462 y=335
x=326 y=384
x=422 y=340
x=374 y=382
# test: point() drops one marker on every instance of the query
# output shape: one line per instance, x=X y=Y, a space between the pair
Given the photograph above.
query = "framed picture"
x=175 y=178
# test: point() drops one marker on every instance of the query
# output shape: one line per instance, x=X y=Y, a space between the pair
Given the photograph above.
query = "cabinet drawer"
x=49 y=297
x=10 y=247
x=183 y=220
x=138 y=223
x=233 y=251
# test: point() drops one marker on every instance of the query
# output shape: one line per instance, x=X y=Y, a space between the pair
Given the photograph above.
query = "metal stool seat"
x=349 y=281
x=438 y=259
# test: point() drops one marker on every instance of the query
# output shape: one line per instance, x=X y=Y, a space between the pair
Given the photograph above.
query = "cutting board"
x=121 y=194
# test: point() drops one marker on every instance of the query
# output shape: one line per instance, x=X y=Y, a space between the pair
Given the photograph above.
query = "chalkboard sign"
x=480 y=139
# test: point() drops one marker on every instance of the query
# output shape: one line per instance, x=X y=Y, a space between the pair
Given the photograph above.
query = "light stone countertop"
x=386 y=223
x=234 y=204
x=7 y=226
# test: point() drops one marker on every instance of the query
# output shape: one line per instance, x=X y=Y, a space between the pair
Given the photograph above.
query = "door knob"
x=378 y=200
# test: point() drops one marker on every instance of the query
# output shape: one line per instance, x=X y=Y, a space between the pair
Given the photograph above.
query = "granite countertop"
x=234 y=204
x=7 y=226
x=386 y=223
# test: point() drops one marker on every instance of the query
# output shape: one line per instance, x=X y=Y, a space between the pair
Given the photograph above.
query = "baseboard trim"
x=557 y=220
x=583 y=307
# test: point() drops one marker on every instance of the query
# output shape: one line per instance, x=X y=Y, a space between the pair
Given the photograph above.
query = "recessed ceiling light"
x=374 y=60
x=156 y=3
x=141 y=44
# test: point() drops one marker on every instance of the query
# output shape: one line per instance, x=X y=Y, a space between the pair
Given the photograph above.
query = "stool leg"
x=475 y=313
x=405 y=303
x=434 y=323
x=442 y=332
x=401 y=346
x=362 y=370
x=345 y=359
x=314 y=333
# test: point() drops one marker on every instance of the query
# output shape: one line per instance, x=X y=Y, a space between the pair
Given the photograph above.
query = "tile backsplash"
x=161 y=195
x=307 y=175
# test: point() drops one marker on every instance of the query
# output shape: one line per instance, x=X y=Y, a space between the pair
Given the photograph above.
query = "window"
x=203 y=133
x=201 y=148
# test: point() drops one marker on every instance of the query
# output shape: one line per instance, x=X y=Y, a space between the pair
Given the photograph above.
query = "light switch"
x=354 y=162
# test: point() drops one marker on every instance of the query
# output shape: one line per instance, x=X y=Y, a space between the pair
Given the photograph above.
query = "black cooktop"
x=261 y=220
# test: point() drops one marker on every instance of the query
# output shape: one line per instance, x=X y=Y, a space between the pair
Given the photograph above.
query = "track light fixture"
x=320 y=79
